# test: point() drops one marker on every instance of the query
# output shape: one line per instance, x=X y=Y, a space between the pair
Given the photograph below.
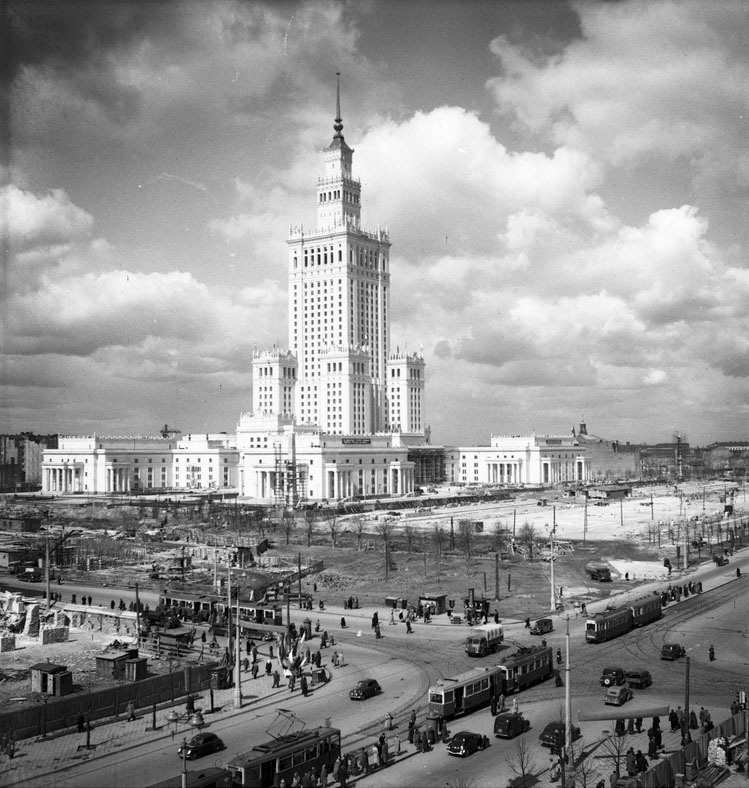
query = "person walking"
x=641 y=761
x=408 y=626
x=324 y=776
x=268 y=667
x=711 y=653
x=254 y=670
x=559 y=656
x=130 y=711
x=631 y=762
x=276 y=679
x=343 y=774
x=303 y=686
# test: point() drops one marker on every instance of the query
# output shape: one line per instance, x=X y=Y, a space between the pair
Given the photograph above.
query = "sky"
x=565 y=187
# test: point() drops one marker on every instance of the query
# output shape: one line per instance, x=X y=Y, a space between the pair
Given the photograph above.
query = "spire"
x=338 y=125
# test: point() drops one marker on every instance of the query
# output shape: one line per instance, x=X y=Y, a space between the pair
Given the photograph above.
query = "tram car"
x=274 y=762
x=464 y=693
x=613 y=622
x=527 y=666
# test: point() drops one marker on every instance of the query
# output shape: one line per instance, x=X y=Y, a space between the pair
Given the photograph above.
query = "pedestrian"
x=318 y=658
x=515 y=705
x=245 y=664
x=494 y=705
x=711 y=653
x=343 y=622
x=693 y=724
x=680 y=716
x=410 y=731
x=268 y=667
x=292 y=682
x=384 y=752
x=202 y=637
x=408 y=627
x=335 y=659
x=130 y=711
x=343 y=774
x=337 y=769
x=559 y=656
x=528 y=623
x=270 y=652
x=340 y=659
x=254 y=654
x=630 y=726
x=392 y=616
x=417 y=739
x=583 y=609
x=558 y=679
x=324 y=776
x=619 y=728
x=673 y=718
x=254 y=670
x=276 y=679
x=642 y=763
x=364 y=761
x=303 y=686
x=638 y=724
x=81 y=723
x=631 y=762
x=375 y=620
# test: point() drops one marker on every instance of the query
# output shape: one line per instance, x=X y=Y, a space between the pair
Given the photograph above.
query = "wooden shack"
x=50 y=679
x=112 y=664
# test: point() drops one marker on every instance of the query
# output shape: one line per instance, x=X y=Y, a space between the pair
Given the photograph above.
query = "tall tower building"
x=339 y=293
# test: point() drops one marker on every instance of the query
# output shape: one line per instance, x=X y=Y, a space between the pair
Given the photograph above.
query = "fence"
x=56 y=714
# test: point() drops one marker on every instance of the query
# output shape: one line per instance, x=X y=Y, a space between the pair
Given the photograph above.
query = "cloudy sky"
x=565 y=186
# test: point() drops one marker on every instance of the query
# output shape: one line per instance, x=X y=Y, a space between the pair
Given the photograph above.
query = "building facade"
x=518 y=460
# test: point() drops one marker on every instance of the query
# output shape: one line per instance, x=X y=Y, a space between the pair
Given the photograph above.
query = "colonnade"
x=65 y=478
x=505 y=472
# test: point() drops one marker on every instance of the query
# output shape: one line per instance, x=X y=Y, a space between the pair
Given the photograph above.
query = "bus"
x=212 y=777
x=265 y=765
x=527 y=666
x=466 y=692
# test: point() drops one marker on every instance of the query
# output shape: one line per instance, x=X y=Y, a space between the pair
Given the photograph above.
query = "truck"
x=31 y=575
x=598 y=571
x=484 y=639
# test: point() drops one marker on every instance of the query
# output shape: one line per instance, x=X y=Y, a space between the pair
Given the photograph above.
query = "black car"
x=672 y=651
x=200 y=745
x=366 y=688
x=465 y=743
x=639 y=679
x=553 y=735
x=612 y=676
x=510 y=724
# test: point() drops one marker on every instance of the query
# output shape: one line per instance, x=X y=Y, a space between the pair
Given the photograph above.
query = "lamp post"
x=568 y=755
x=184 y=763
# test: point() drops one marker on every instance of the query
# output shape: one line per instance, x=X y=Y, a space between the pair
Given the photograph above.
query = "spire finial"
x=338 y=125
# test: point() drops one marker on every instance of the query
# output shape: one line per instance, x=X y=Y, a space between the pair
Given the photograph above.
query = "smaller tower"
x=273 y=382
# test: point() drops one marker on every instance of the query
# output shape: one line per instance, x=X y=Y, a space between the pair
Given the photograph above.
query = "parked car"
x=510 y=724
x=672 y=651
x=200 y=745
x=465 y=743
x=542 y=626
x=612 y=676
x=617 y=696
x=639 y=679
x=554 y=733
x=720 y=560
x=366 y=688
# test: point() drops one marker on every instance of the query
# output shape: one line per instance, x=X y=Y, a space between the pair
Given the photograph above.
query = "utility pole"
x=685 y=737
x=568 y=755
x=585 y=519
x=237 y=674
x=553 y=602
x=137 y=617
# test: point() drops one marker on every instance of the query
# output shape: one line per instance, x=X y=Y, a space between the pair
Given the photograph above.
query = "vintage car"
x=612 y=676
x=617 y=696
x=639 y=679
x=465 y=743
x=200 y=745
x=366 y=688
x=509 y=724
x=672 y=651
x=554 y=733
x=542 y=626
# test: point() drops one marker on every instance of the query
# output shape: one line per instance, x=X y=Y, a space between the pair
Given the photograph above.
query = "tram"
x=266 y=765
x=466 y=692
x=527 y=666
x=613 y=622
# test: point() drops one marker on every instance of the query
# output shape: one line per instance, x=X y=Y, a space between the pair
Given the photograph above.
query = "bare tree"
x=500 y=537
x=582 y=768
x=527 y=538
x=409 y=533
x=333 y=528
x=438 y=537
x=467 y=538
x=309 y=522
x=614 y=749
x=357 y=525
x=385 y=530
x=522 y=765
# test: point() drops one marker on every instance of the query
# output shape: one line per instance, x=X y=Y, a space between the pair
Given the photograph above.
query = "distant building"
x=21 y=460
x=518 y=460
